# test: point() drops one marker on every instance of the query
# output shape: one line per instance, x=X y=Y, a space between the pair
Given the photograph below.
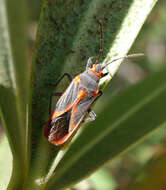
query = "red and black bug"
x=76 y=101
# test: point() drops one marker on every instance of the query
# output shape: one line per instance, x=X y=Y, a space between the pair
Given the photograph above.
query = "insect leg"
x=92 y=116
x=51 y=99
x=105 y=74
x=70 y=78
x=99 y=94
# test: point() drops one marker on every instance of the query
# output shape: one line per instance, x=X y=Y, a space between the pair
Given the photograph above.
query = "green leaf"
x=125 y=121
x=13 y=84
x=102 y=179
x=5 y=162
x=68 y=34
x=16 y=16
x=151 y=175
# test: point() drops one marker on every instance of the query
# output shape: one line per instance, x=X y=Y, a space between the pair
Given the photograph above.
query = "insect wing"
x=63 y=105
x=79 y=111
x=69 y=112
x=59 y=127
x=67 y=98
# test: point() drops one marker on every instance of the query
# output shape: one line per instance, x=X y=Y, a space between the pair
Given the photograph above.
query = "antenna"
x=124 y=57
x=101 y=39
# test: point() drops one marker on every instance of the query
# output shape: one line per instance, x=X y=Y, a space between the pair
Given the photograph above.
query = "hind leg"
x=92 y=115
x=70 y=78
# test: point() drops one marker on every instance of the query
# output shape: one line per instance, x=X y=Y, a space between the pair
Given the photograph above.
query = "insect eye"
x=92 y=66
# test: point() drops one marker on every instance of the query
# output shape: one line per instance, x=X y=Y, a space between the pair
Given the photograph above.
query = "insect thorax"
x=89 y=81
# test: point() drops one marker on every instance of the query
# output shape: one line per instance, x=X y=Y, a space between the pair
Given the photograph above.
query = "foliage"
x=67 y=35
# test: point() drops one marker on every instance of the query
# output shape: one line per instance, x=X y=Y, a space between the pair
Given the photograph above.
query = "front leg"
x=105 y=74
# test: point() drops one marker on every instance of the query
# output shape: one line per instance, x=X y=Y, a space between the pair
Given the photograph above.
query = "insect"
x=76 y=101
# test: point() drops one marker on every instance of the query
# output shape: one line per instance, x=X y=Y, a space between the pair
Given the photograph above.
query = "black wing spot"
x=60 y=126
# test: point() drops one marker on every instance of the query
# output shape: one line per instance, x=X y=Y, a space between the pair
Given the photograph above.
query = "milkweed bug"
x=76 y=101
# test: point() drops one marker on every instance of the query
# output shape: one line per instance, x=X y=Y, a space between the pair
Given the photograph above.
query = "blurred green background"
x=135 y=168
